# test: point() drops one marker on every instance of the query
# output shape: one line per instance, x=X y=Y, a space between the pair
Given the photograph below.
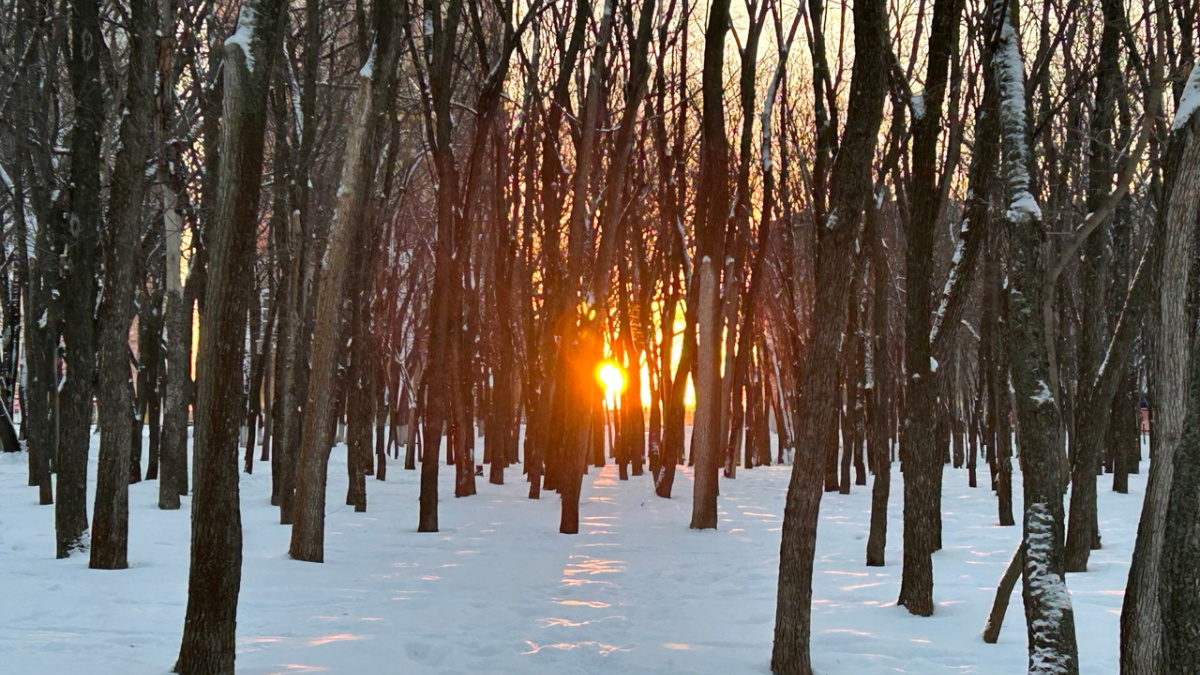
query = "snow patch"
x=244 y=35
x=1190 y=101
x=1047 y=589
x=1042 y=396
x=368 y=69
x=1010 y=76
x=917 y=103
x=1023 y=205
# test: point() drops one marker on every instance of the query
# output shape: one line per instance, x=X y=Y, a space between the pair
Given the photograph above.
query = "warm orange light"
x=611 y=377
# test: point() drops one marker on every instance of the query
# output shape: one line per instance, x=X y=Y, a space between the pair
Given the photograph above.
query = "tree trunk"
x=214 y=578
x=995 y=620
x=851 y=181
x=878 y=395
x=39 y=265
x=923 y=459
x=81 y=233
x=308 y=532
x=706 y=430
x=1048 y=614
x=110 y=537
x=177 y=314
x=1143 y=615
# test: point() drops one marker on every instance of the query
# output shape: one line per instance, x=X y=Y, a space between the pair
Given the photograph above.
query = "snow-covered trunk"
x=115 y=396
x=214 y=578
x=1048 y=613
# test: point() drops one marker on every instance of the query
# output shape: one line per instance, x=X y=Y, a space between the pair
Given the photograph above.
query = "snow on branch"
x=1189 y=103
x=244 y=35
x=1010 y=78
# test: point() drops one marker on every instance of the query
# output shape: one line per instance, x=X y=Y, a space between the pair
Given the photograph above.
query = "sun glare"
x=611 y=377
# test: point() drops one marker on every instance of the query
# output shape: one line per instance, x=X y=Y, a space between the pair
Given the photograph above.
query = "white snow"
x=7 y=181
x=1046 y=587
x=1190 y=101
x=917 y=103
x=368 y=70
x=956 y=265
x=1010 y=76
x=244 y=35
x=499 y=591
x=1023 y=205
x=1042 y=396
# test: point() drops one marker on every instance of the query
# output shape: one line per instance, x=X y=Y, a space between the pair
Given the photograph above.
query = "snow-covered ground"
x=498 y=590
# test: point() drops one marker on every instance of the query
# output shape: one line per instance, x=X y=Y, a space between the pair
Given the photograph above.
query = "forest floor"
x=499 y=591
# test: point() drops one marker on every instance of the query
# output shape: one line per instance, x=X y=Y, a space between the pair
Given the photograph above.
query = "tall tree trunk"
x=1156 y=639
x=308 y=532
x=214 y=577
x=1048 y=614
x=878 y=443
x=706 y=428
x=110 y=537
x=1091 y=422
x=177 y=313
x=851 y=183
x=923 y=459
x=39 y=264
x=79 y=283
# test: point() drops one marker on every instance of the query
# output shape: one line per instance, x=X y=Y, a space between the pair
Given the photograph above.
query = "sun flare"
x=611 y=378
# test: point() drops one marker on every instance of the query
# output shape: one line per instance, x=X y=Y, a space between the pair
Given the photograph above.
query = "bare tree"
x=851 y=188
x=110 y=539
x=1048 y=614
x=214 y=577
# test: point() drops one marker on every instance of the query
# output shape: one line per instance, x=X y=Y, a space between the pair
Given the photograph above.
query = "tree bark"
x=1162 y=570
x=851 y=181
x=1048 y=614
x=878 y=395
x=308 y=532
x=1143 y=615
x=110 y=537
x=923 y=464
x=80 y=236
x=707 y=423
x=214 y=578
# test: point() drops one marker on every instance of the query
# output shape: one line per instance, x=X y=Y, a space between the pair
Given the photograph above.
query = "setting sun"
x=611 y=377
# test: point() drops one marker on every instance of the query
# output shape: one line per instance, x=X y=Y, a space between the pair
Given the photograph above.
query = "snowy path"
x=498 y=590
